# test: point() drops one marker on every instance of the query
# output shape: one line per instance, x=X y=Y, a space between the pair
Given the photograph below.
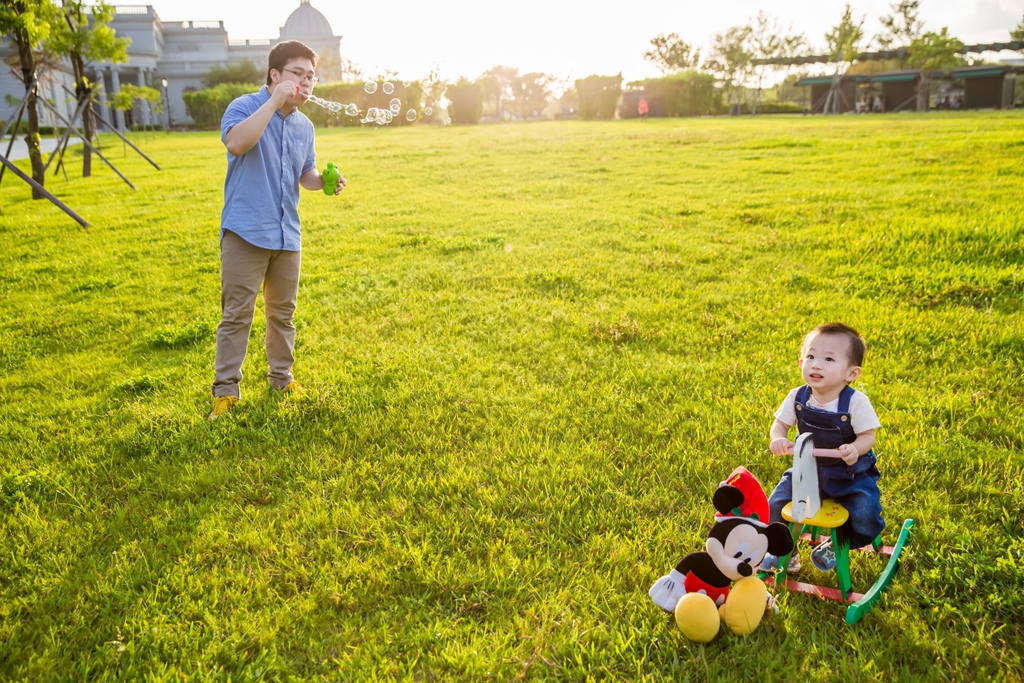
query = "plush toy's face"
x=741 y=549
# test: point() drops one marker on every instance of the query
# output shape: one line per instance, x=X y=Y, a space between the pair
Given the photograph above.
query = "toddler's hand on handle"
x=780 y=446
x=848 y=453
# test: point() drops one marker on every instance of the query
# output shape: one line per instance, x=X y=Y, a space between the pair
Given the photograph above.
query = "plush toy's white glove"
x=667 y=590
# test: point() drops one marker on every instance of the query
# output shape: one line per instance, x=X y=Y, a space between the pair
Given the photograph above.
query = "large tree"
x=730 y=58
x=433 y=92
x=934 y=51
x=901 y=26
x=1018 y=33
x=671 y=54
x=532 y=91
x=465 y=101
x=844 y=39
x=930 y=52
x=29 y=23
x=83 y=34
x=497 y=84
x=770 y=41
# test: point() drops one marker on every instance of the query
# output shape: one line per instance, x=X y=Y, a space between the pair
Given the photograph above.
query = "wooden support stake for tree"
x=62 y=144
x=98 y=153
x=28 y=179
x=14 y=133
x=118 y=133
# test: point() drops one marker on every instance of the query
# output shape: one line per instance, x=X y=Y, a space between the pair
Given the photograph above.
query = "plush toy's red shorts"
x=694 y=584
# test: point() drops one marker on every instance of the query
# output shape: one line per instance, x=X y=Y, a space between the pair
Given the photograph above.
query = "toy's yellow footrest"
x=829 y=516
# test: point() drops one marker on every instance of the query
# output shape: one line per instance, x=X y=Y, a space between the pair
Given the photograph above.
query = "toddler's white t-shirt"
x=862 y=415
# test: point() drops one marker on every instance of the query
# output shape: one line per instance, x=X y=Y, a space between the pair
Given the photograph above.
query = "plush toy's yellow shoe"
x=697 y=617
x=743 y=609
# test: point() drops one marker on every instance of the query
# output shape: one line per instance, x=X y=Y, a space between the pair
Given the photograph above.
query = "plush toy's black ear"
x=727 y=498
x=780 y=541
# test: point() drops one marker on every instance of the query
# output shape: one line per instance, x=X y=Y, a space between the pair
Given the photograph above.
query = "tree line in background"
x=44 y=32
x=692 y=83
x=739 y=57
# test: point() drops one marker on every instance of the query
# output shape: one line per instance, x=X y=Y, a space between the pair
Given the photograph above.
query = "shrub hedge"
x=207 y=106
x=599 y=95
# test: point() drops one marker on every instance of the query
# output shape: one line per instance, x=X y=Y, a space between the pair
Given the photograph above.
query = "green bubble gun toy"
x=331 y=175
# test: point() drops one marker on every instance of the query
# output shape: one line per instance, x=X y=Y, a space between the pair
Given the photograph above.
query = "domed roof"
x=306 y=22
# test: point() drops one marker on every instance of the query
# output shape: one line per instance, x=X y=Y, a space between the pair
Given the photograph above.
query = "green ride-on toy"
x=809 y=517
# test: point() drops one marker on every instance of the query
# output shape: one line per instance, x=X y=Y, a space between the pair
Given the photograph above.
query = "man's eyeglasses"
x=303 y=75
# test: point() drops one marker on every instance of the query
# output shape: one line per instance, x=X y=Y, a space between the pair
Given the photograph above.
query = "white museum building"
x=171 y=56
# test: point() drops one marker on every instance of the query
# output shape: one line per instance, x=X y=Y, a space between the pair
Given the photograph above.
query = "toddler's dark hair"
x=857 y=345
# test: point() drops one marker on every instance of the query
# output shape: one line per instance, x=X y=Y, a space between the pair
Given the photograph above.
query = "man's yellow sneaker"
x=222 y=406
x=293 y=390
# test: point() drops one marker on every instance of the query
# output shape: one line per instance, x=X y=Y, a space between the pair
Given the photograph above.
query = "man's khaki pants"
x=243 y=268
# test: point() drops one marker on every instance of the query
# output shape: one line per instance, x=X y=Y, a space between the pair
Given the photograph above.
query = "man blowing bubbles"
x=270 y=154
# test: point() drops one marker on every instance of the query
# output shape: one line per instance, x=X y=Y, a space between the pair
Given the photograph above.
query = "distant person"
x=642 y=109
x=838 y=417
x=270 y=155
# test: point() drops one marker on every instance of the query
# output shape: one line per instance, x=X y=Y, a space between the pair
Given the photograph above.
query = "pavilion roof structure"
x=980 y=71
x=898 y=53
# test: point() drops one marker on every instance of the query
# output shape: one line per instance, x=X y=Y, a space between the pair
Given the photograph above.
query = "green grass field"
x=534 y=351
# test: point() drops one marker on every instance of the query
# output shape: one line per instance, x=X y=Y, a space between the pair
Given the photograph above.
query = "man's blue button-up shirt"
x=261 y=190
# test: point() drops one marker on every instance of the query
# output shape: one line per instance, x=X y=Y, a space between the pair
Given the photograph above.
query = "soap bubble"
x=352 y=110
x=370 y=87
x=410 y=115
x=427 y=111
x=335 y=107
x=448 y=122
x=384 y=117
x=396 y=105
x=389 y=88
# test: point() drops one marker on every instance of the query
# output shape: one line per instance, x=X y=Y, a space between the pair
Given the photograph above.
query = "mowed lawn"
x=534 y=351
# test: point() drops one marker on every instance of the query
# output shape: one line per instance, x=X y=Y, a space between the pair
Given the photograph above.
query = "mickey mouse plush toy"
x=735 y=546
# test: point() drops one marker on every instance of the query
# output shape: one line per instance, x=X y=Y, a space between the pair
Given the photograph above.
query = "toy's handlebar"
x=820 y=452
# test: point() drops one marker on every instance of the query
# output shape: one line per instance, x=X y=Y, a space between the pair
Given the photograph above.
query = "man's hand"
x=287 y=94
x=342 y=183
x=781 y=446
x=848 y=453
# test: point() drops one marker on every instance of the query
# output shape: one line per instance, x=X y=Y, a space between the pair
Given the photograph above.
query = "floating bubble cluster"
x=381 y=117
x=334 y=107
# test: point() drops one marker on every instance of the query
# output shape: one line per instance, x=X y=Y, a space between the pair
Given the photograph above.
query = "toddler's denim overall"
x=854 y=487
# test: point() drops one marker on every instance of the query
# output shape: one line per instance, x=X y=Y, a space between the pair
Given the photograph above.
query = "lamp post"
x=167 y=105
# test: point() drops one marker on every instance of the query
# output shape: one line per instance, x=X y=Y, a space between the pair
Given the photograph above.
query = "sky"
x=567 y=39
